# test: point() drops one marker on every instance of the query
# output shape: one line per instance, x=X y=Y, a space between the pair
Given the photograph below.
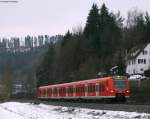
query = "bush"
x=147 y=73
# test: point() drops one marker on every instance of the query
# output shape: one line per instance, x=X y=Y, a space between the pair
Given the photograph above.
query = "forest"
x=18 y=68
x=102 y=44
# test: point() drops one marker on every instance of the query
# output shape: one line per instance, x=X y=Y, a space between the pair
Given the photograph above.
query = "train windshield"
x=120 y=82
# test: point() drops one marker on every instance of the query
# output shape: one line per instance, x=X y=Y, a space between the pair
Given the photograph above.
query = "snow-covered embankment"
x=16 y=110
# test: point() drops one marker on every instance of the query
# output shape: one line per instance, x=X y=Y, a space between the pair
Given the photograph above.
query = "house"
x=18 y=89
x=138 y=59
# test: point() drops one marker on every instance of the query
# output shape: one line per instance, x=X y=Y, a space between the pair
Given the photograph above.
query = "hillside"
x=22 y=66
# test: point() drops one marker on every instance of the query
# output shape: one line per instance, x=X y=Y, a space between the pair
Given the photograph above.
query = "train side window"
x=49 y=91
x=60 y=91
x=55 y=91
x=70 y=90
x=44 y=92
x=81 y=89
x=93 y=88
x=90 y=89
x=64 y=90
x=78 y=89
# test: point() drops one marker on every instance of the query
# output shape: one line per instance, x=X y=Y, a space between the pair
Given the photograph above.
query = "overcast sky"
x=35 y=17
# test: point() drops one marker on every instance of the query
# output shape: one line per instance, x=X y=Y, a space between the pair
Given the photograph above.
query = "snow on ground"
x=16 y=110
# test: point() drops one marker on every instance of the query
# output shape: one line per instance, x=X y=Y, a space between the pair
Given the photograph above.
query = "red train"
x=114 y=87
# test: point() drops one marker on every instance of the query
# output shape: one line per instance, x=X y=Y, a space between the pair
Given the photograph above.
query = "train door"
x=86 y=89
x=74 y=90
x=97 y=89
x=67 y=91
x=102 y=88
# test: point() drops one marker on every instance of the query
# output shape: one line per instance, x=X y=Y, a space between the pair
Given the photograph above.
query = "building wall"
x=135 y=67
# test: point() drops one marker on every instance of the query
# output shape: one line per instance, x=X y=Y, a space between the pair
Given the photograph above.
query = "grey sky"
x=53 y=17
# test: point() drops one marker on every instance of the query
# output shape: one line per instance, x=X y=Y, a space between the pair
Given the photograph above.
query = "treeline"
x=16 y=44
x=100 y=45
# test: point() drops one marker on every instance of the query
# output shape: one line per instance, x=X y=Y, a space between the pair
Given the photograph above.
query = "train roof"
x=78 y=82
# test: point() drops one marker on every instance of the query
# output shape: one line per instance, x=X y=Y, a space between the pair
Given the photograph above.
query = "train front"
x=121 y=88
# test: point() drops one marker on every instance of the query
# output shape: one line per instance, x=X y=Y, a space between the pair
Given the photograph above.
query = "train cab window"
x=119 y=82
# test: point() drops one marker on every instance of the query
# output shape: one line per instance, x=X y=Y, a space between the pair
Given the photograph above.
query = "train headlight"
x=127 y=91
x=112 y=91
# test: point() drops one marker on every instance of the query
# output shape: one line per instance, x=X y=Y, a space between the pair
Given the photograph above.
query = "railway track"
x=129 y=106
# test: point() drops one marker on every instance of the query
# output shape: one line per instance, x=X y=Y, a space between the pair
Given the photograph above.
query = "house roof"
x=135 y=51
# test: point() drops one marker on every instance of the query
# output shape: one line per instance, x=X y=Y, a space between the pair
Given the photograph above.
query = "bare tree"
x=8 y=81
x=78 y=29
x=132 y=17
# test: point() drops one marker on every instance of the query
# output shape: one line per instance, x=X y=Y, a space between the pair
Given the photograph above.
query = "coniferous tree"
x=44 y=72
x=110 y=33
x=92 y=24
x=91 y=30
x=67 y=36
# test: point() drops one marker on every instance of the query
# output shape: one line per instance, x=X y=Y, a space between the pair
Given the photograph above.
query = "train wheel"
x=120 y=98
